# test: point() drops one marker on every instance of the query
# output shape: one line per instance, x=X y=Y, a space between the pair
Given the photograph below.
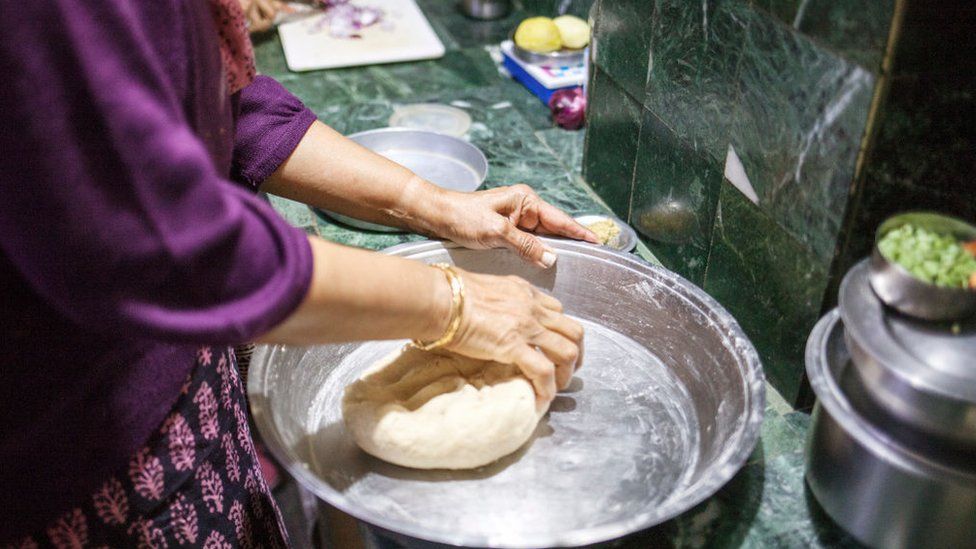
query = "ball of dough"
x=436 y=410
x=538 y=34
x=574 y=32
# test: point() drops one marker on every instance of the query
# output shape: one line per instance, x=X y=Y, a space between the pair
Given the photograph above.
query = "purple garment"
x=124 y=245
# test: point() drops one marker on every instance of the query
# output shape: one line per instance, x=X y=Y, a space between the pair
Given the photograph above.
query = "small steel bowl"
x=566 y=57
x=626 y=241
x=899 y=289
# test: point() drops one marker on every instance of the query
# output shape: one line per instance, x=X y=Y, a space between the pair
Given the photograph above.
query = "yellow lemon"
x=538 y=34
x=573 y=31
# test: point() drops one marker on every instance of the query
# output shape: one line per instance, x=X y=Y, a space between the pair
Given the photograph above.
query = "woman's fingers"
x=562 y=324
x=547 y=301
x=557 y=222
x=540 y=371
x=527 y=246
x=562 y=352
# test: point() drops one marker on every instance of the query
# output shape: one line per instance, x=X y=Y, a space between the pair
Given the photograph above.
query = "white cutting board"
x=410 y=39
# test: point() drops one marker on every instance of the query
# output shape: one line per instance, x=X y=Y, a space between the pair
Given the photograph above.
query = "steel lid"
x=923 y=372
x=432 y=117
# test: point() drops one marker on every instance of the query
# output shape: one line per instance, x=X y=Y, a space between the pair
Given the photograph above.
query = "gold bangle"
x=457 y=305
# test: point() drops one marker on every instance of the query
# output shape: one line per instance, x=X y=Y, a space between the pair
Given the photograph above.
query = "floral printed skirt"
x=196 y=483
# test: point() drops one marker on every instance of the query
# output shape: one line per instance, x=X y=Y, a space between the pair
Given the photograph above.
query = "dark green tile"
x=613 y=119
x=622 y=41
x=567 y=146
x=467 y=32
x=937 y=37
x=784 y=10
x=676 y=188
x=551 y=8
x=692 y=85
x=857 y=31
x=770 y=283
x=925 y=134
x=798 y=129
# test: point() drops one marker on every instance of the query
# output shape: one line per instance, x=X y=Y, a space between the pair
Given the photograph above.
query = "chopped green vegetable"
x=932 y=257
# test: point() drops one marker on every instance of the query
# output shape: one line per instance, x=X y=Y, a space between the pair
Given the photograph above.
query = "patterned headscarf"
x=236 y=51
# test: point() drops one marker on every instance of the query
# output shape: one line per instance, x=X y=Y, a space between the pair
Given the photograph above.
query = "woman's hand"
x=504 y=217
x=508 y=320
x=260 y=13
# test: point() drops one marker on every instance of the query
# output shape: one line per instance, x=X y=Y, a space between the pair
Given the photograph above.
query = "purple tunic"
x=124 y=245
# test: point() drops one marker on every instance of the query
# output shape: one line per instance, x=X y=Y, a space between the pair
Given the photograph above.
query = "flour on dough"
x=435 y=410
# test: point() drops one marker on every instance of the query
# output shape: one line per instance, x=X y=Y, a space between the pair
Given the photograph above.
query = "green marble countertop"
x=767 y=503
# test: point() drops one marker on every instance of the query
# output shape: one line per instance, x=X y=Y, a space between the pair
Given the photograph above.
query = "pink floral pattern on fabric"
x=207 y=404
x=212 y=488
x=236 y=51
x=147 y=535
x=70 y=531
x=111 y=503
x=146 y=473
x=195 y=483
x=183 y=520
x=182 y=445
x=233 y=459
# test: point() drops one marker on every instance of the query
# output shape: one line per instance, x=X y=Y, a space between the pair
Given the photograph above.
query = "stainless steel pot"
x=485 y=9
x=665 y=410
x=885 y=492
x=920 y=372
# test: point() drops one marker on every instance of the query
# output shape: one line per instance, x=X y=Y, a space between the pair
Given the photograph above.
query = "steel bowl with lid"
x=883 y=481
x=665 y=410
x=923 y=373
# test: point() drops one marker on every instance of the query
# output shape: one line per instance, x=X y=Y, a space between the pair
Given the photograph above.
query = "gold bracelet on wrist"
x=457 y=305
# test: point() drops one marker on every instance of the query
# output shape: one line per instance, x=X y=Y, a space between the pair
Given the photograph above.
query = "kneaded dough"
x=436 y=410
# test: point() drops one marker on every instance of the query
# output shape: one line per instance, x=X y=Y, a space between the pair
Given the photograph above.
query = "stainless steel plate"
x=665 y=410
x=443 y=160
x=627 y=240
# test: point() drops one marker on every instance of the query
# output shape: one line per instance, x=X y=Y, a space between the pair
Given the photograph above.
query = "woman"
x=130 y=263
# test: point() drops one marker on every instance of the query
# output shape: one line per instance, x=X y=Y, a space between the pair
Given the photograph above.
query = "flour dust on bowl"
x=665 y=410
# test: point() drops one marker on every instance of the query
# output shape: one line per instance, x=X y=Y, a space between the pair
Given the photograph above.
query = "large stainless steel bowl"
x=875 y=476
x=666 y=409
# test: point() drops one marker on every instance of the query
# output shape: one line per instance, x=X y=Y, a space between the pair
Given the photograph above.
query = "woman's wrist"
x=441 y=302
x=425 y=207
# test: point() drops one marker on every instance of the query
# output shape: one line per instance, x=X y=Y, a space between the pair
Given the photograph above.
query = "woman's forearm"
x=330 y=171
x=357 y=295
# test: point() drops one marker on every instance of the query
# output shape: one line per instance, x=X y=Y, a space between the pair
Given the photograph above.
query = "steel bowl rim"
x=938 y=383
x=395 y=129
x=378 y=228
x=831 y=398
x=560 y=56
x=727 y=465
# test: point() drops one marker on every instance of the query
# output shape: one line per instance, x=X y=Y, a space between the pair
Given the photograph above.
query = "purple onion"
x=568 y=108
x=343 y=20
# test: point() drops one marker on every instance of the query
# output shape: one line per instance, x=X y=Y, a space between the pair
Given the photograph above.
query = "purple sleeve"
x=113 y=211
x=271 y=123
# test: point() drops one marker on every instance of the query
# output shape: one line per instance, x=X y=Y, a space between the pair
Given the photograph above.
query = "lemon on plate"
x=539 y=35
x=573 y=31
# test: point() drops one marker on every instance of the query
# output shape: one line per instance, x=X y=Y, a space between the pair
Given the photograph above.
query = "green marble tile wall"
x=923 y=152
x=728 y=133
